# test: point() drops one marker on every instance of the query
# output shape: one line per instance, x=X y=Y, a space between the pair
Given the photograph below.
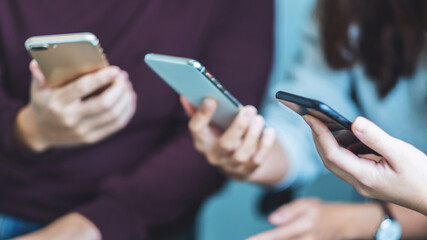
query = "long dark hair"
x=391 y=37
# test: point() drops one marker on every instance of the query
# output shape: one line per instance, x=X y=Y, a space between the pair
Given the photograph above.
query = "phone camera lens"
x=40 y=48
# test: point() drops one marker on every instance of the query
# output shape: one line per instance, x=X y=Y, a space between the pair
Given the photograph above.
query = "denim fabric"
x=11 y=227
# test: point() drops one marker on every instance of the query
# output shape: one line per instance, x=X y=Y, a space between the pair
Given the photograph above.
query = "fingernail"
x=277 y=218
x=307 y=120
x=360 y=124
x=208 y=104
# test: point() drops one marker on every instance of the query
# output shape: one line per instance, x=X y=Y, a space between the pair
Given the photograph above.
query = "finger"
x=267 y=141
x=189 y=109
x=333 y=154
x=87 y=84
x=39 y=79
x=104 y=131
x=331 y=166
x=232 y=137
x=287 y=212
x=110 y=116
x=106 y=100
x=240 y=172
x=247 y=149
x=201 y=119
x=378 y=140
x=291 y=231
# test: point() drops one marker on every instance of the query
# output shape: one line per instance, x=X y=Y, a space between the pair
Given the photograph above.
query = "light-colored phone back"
x=191 y=80
x=65 y=57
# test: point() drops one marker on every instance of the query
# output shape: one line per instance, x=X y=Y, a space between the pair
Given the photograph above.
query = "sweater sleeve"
x=9 y=107
x=237 y=48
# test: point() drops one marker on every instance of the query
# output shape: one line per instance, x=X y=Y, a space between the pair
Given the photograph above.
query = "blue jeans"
x=11 y=227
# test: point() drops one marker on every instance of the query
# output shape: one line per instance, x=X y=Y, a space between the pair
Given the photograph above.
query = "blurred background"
x=233 y=213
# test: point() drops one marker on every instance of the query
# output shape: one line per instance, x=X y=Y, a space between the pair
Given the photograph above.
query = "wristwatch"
x=389 y=229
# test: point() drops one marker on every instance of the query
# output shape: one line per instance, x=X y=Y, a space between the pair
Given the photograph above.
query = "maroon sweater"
x=147 y=174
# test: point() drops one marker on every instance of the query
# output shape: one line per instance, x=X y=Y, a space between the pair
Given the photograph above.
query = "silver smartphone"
x=65 y=57
x=190 y=79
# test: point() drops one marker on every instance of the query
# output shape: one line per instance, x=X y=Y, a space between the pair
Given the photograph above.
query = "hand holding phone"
x=241 y=149
x=63 y=116
x=399 y=177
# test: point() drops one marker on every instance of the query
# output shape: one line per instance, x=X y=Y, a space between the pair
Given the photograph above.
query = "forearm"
x=361 y=221
x=26 y=131
x=72 y=226
x=414 y=224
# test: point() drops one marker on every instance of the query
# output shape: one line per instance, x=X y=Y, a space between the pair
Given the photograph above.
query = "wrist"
x=423 y=205
x=273 y=170
x=85 y=227
x=70 y=227
x=362 y=220
x=27 y=131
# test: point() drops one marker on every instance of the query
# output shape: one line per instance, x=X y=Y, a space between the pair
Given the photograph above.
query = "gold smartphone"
x=65 y=57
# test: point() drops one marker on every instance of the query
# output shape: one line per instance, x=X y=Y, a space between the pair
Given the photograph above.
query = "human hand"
x=70 y=227
x=238 y=151
x=314 y=219
x=62 y=117
x=398 y=177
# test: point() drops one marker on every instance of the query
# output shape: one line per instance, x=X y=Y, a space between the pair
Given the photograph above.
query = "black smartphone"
x=338 y=124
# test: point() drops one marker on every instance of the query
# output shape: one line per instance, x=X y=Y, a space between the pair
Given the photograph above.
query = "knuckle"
x=199 y=146
x=331 y=155
x=81 y=132
x=105 y=103
x=377 y=140
x=69 y=121
x=253 y=135
x=240 y=126
x=64 y=121
x=240 y=158
x=194 y=126
x=88 y=139
x=54 y=108
x=114 y=116
x=225 y=145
